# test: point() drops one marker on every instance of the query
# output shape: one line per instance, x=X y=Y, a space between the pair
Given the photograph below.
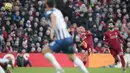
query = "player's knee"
x=121 y=53
x=43 y=51
x=86 y=53
x=71 y=57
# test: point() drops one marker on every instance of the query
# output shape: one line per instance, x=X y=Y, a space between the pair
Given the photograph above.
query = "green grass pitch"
x=67 y=70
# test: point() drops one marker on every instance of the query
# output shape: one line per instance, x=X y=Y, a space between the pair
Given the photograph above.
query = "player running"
x=87 y=43
x=4 y=65
x=113 y=39
x=63 y=42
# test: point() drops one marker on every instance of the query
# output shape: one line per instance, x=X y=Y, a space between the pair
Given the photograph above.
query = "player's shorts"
x=116 y=52
x=63 y=45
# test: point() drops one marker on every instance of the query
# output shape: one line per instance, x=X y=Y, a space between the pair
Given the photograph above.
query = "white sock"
x=4 y=60
x=53 y=60
x=80 y=64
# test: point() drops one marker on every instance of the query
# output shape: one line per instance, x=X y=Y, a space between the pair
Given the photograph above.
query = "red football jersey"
x=87 y=37
x=112 y=38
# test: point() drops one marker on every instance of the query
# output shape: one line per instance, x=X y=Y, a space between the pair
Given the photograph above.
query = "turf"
x=68 y=70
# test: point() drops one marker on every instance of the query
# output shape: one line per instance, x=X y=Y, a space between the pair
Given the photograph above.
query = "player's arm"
x=105 y=40
x=53 y=24
x=120 y=36
x=88 y=33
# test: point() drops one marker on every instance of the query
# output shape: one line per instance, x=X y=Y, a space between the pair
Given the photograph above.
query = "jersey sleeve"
x=120 y=36
x=82 y=36
x=105 y=39
x=88 y=33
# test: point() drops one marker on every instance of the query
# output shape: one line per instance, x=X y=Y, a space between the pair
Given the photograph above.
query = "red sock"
x=122 y=61
x=116 y=60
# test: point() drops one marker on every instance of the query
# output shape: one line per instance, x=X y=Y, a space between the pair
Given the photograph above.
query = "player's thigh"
x=46 y=49
x=90 y=47
x=71 y=56
x=52 y=47
x=120 y=51
x=67 y=46
x=68 y=50
x=113 y=53
x=1 y=70
x=87 y=53
x=56 y=45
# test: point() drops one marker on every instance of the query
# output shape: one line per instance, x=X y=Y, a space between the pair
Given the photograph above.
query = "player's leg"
x=86 y=54
x=114 y=54
x=27 y=62
x=121 y=55
x=4 y=60
x=47 y=52
x=78 y=62
x=1 y=70
x=8 y=61
x=4 y=66
x=69 y=50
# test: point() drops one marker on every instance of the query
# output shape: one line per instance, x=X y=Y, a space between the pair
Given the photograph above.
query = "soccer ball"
x=8 y=6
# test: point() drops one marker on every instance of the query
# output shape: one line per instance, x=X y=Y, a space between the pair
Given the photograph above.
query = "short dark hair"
x=111 y=22
x=50 y=3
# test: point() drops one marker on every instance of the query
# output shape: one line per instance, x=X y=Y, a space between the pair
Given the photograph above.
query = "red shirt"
x=5 y=35
x=112 y=38
x=9 y=49
x=79 y=3
x=87 y=37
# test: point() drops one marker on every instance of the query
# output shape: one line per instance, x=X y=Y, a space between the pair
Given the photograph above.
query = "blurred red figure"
x=112 y=39
x=87 y=43
x=99 y=48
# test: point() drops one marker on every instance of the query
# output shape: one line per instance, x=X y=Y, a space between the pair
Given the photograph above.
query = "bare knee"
x=71 y=56
x=86 y=54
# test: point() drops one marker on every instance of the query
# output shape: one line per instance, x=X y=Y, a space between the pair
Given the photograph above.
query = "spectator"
x=47 y=36
x=1 y=41
x=128 y=50
x=81 y=20
x=128 y=44
x=45 y=42
x=5 y=35
x=99 y=48
x=8 y=47
x=33 y=48
x=16 y=17
x=94 y=30
x=78 y=43
x=25 y=42
x=38 y=47
x=22 y=61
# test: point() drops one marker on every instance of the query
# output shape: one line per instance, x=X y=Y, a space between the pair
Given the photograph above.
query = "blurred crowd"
x=25 y=28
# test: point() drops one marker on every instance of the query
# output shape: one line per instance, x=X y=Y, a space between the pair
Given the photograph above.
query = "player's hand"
x=106 y=46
